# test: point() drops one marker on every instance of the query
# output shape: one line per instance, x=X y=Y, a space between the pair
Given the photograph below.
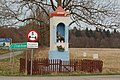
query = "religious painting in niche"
x=61 y=32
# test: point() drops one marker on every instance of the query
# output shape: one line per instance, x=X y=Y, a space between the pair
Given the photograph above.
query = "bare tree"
x=99 y=13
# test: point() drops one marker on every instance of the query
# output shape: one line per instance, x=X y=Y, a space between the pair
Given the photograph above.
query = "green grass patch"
x=9 y=68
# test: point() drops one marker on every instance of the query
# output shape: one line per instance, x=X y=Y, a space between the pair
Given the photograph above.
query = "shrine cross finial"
x=59 y=2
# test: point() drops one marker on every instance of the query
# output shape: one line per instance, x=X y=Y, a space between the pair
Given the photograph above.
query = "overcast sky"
x=103 y=2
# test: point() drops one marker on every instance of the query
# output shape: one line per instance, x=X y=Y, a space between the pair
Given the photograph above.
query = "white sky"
x=117 y=2
x=104 y=2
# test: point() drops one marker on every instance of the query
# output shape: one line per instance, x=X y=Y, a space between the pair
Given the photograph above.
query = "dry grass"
x=110 y=56
x=42 y=52
x=10 y=68
x=3 y=51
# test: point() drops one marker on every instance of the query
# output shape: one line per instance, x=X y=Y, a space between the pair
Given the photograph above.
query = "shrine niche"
x=61 y=32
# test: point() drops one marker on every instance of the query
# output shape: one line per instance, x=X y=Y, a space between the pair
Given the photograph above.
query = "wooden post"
x=31 y=62
x=60 y=66
x=26 y=64
x=12 y=61
x=75 y=65
x=10 y=56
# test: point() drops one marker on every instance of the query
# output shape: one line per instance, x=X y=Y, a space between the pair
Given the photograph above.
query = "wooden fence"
x=45 y=66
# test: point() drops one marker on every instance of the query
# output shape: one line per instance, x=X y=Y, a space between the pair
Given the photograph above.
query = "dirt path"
x=11 y=54
x=112 y=77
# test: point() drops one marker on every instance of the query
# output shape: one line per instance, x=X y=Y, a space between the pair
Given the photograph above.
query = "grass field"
x=3 y=51
x=8 y=67
x=109 y=56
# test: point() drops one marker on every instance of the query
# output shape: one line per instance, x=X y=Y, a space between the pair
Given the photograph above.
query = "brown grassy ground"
x=3 y=51
x=10 y=68
x=110 y=56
